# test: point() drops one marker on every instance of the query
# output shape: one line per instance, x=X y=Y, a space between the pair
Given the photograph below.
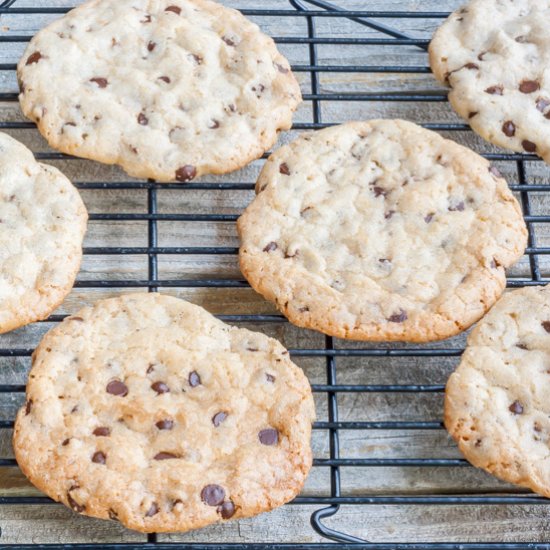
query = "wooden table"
x=387 y=523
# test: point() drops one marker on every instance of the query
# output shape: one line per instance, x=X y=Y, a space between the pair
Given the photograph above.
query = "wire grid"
x=327 y=506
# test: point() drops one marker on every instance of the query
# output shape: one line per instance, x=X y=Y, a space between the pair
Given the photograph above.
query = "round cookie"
x=496 y=403
x=170 y=89
x=42 y=225
x=494 y=55
x=380 y=230
x=148 y=410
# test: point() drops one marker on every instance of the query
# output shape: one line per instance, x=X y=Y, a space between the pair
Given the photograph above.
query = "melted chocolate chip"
x=528 y=86
x=151 y=46
x=101 y=82
x=270 y=378
x=160 y=387
x=174 y=9
x=165 y=79
x=400 y=317
x=269 y=436
x=226 y=510
x=99 y=458
x=509 y=128
x=271 y=247
x=28 y=407
x=186 y=173
x=516 y=407
x=218 y=418
x=116 y=387
x=495 y=90
x=284 y=169
x=78 y=508
x=154 y=509
x=102 y=432
x=165 y=424
x=529 y=146
x=194 y=379
x=546 y=325
x=142 y=119
x=213 y=495
x=34 y=58
x=165 y=456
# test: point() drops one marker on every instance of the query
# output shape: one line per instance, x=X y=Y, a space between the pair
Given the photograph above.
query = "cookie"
x=147 y=410
x=496 y=403
x=494 y=56
x=169 y=90
x=42 y=225
x=380 y=230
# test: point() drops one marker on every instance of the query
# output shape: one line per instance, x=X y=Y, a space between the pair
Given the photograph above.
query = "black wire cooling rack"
x=383 y=31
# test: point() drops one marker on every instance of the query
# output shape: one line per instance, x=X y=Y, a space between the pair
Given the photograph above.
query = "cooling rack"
x=376 y=65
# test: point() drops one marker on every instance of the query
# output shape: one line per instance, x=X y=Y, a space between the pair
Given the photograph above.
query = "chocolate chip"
x=74 y=409
x=529 y=146
x=102 y=432
x=214 y=124
x=528 y=86
x=173 y=9
x=165 y=456
x=146 y=20
x=28 y=407
x=142 y=119
x=186 y=173
x=472 y=114
x=270 y=378
x=509 y=128
x=495 y=90
x=521 y=39
x=101 y=82
x=150 y=368
x=165 y=79
x=379 y=191
x=165 y=424
x=213 y=495
x=218 y=418
x=226 y=510
x=34 y=58
x=116 y=387
x=429 y=217
x=99 y=458
x=113 y=515
x=281 y=68
x=269 y=436
x=66 y=442
x=154 y=509
x=400 y=317
x=471 y=66
x=457 y=207
x=151 y=46
x=516 y=407
x=228 y=41
x=78 y=508
x=194 y=379
x=495 y=171
x=520 y=345
x=284 y=169
x=384 y=261
x=546 y=325
x=478 y=443
x=389 y=214
x=160 y=387
x=542 y=103
x=271 y=247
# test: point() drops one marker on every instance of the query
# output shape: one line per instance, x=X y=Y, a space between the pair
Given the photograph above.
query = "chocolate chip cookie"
x=496 y=404
x=494 y=56
x=147 y=410
x=380 y=230
x=168 y=90
x=42 y=225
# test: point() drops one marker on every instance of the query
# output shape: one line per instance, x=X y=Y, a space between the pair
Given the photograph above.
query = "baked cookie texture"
x=167 y=89
x=43 y=221
x=380 y=230
x=496 y=403
x=147 y=410
x=494 y=55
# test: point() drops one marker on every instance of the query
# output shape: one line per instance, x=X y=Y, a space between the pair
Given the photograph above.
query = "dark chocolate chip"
x=154 y=509
x=113 y=515
x=546 y=325
x=102 y=432
x=271 y=247
x=384 y=261
x=142 y=119
x=528 y=86
x=457 y=207
x=28 y=407
x=269 y=436
x=165 y=424
x=379 y=191
x=66 y=442
x=165 y=456
x=226 y=510
x=495 y=171
x=100 y=81
x=74 y=409
x=174 y=9
x=116 y=387
x=228 y=41
x=78 y=508
x=218 y=418
x=34 y=58
x=146 y=20
x=472 y=114
x=213 y=495
x=284 y=169
x=99 y=458
x=529 y=146
x=471 y=66
x=389 y=214
x=151 y=46
x=270 y=378
x=429 y=217
x=160 y=387
x=400 y=317
x=495 y=90
x=516 y=407
x=520 y=345
x=186 y=173
x=194 y=379
x=509 y=128
x=214 y=124
x=542 y=103
x=150 y=368
x=165 y=79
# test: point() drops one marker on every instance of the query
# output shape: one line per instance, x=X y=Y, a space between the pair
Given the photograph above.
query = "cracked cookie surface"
x=494 y=55
x=496 y=403
x=42 y=225
x=380 y=230
x=167 y=89
x=147 y=410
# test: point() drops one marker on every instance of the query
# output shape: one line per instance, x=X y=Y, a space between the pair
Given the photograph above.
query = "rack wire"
x=324 y=519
